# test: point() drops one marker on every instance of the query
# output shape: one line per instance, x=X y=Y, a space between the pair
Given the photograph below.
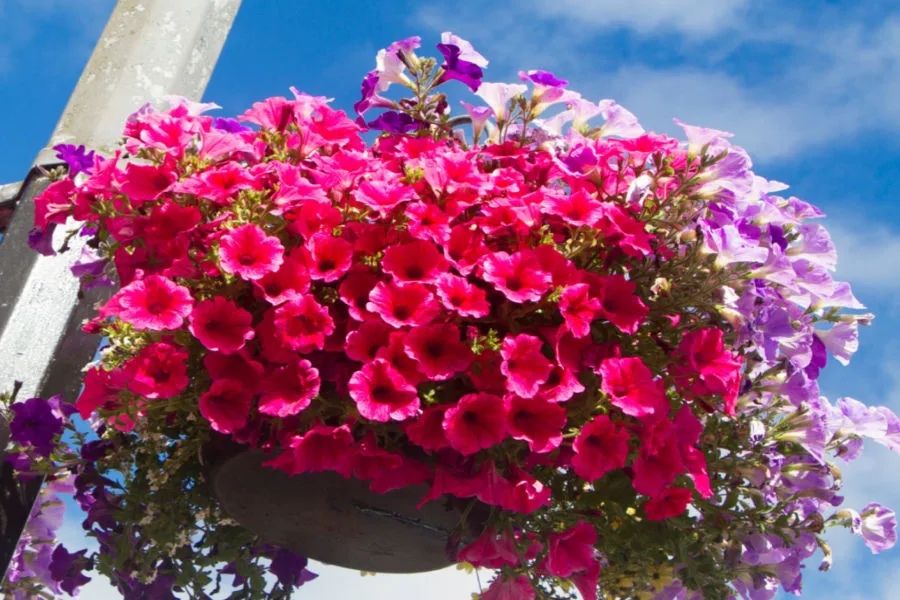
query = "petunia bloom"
x=226 y=405
x=477 y=421
x=221 y=325
x=154 y=302
x=600 y=447
x=382 y=394
x=289 y=389
x=248 y=252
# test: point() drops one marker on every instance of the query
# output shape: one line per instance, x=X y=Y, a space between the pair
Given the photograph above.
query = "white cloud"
x=647 y=16
x=868 y=255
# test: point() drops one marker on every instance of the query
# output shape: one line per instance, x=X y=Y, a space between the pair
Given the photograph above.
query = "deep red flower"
x=289 y=389
x=525 y=493
x=365 y=341
x=509 y=588
x=427 y=430
x=413 y=261
x=382 y=394
x=438 y=351
x=221 y=325
x=536 y=421
x=465 y=248
x=226 y=405
x=289 y=282
x=477 y=421
x=670 y=503
x=354 y=292
x=249 y=253
x=601 y=446
x=524 y=365
x=395 y=353
x=618 y=304
x=147 y=182
x=491 y=550
x=704 y=366
x=322 y=448
x=158 y=371
x=238 y=366
x=328 y=257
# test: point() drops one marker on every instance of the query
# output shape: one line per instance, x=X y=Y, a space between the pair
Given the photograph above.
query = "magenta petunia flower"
x=417 y=260
x=519 y=276
x=302 y=325
x=289 y=389
x=631 y=387
x=536 y=421
x=523 y=364
x=571 y=551
x=465 y=248
x=364 y=342
x=438 y=351
x=249 y=253
x=458 y=295
x=618 y=304
x=427 y=430
x=147 y=182
x=491 y=550
x=601 y=446
x=289 y=282
x=525 y=494
x=382 y=394
x=154 y=302
x=226 y=405
x=579 y=309
x=322 y=448
x=395 y=353
x=509 y=588
x=238 y=366
x=477 y=421
x=221 y=325
x=403 y=305
x=354 y=292
x=158 y=371
x=329 y=257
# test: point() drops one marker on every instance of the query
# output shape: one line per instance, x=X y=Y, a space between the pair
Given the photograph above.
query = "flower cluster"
x=608 y=337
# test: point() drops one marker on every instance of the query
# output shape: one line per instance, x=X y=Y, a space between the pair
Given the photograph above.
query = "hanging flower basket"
x=579 y=354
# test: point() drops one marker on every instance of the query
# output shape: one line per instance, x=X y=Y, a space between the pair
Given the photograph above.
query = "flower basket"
x=583 y=356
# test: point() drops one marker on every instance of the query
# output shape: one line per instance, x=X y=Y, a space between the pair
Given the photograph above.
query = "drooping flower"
x=322 y=448
x=509 y=588
x=571 y=551
x=461 y=61
x=249 y=253
x=221 y=325
x=154 y=302
x=671 y=503
x=226 y=405
x=491 y=550
x=477 y=421
x=382 y=394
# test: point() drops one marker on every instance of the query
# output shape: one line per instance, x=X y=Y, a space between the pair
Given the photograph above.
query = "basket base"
x=335 y=520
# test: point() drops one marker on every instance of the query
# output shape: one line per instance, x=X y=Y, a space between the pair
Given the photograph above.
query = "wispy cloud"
x=778 y=80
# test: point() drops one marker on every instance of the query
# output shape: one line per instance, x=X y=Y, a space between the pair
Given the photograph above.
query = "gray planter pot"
x=335 y=520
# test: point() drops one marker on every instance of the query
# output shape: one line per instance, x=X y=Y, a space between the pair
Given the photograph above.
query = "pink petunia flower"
x=289 y=282
x=395 y=353
x=458 y=295
x=618 y=304
x=226 y=405
x=491 y=550
x=523 y=364
x=249 y=253
x=147 y=182
x=329 y=257
x=154 y=302
x=706 y=367
x=579 y=209
x=579 y=309
x=322 y=448
x=158 y=371
x=519 y=276
x=403 y=305
x=465 y=248
x=382 y=394
x=477 y=421
x=221 y=325
x=536 y=421
x=525 y=493
x=302 y=325
x=365 y=341
x=601 y=446
x=509 y=588
x=631 y=387
x=414 y=261
x=237 y=366
x=289 y=389
x=438 y=351
x=571 y=551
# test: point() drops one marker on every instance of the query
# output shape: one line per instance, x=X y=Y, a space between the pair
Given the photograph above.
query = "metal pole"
x=149 y=49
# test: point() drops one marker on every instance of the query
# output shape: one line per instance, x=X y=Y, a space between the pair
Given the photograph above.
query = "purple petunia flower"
x=42 y=241
x=35 y=424
x=76 y=157
x=229 y=125
x=457 y=68
x=290 y=569
x=394 y=122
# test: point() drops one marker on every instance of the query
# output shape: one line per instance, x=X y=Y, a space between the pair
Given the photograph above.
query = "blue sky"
x=811 y=89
